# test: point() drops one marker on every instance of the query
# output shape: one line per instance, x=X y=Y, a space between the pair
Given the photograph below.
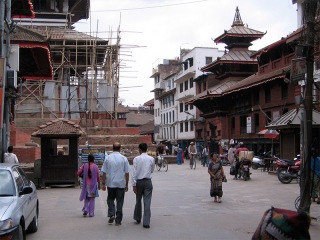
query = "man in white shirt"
x=205 y=154
x=192 y=153
x=10 y=157
x=143 y=167
x=232 y=150
x=115 y=174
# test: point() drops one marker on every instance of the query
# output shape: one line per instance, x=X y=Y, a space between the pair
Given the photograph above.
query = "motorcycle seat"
x=289 y=162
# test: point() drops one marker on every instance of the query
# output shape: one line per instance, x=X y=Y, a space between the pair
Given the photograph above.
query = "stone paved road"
x=181 y=209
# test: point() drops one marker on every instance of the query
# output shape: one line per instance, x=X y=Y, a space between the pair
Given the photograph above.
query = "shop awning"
x=22 y=9
x=35 y=62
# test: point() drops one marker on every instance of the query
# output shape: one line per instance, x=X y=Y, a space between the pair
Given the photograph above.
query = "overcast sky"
x=157 y=29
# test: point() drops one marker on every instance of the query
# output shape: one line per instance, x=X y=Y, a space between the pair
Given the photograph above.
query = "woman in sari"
x=90 y=186
x=216 y=173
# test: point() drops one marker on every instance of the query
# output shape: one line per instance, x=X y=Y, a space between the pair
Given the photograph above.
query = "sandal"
x=219 y=200
x=215 y=200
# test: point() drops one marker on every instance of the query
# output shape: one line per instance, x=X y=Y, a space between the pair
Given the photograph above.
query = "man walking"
x=143 y=167
x=10 y=157
x=232 y=160
x=192 y=153
x=115 y=174
x=205 y=154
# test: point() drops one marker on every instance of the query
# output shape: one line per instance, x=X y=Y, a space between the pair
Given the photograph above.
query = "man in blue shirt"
x=115 y=174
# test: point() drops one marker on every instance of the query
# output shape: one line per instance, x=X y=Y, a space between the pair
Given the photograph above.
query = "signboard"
x=298 y=69
x=249 y=125
x=98 y=153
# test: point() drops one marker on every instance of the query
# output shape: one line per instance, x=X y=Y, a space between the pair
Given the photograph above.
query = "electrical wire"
x=143 y=8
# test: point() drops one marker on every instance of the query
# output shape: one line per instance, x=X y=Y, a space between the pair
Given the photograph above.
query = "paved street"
x=181 y=209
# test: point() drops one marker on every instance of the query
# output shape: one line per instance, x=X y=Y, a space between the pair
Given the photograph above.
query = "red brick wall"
x=27 y=154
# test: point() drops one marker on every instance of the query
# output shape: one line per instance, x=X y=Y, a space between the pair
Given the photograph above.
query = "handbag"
x=96 y=194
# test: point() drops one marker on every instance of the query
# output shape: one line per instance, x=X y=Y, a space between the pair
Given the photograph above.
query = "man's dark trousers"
x=118 y=195
x=144 y=189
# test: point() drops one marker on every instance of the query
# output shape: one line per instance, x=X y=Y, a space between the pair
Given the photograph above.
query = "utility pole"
x=2 y=7
x=310 y=7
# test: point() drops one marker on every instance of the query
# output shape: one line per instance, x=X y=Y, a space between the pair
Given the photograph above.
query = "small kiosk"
x=59 y=152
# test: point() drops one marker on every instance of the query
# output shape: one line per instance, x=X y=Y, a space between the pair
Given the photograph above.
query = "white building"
x=173 y=86
x=192 y=61
x=164 y=90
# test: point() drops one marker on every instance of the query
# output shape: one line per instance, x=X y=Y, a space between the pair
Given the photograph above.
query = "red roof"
x=59 y=127
x=149 y=103
x=147 y=128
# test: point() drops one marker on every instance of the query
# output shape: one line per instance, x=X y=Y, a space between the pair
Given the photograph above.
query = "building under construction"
x=64 y=73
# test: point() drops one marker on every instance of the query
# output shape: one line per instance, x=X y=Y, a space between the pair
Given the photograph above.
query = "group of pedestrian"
x=115 y=179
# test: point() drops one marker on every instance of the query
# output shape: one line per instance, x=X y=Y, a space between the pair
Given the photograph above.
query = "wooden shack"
x=59 y=152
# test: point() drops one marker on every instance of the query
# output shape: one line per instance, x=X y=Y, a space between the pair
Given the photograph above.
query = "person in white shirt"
x=192 y=153
x=10 y=157
x=143 y=167
x=205 y=154
x=115 y=174
x=231 y=157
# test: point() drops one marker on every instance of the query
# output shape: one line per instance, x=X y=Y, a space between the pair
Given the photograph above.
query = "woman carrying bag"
x=217 y=176
x=91 y=183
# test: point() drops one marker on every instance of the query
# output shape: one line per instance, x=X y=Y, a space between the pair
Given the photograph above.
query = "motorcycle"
x=257 y=162
x=287 y=170
x=223 y=158
x=245 y=169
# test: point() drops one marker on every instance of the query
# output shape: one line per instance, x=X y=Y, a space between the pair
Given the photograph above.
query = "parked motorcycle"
x=257 y=162
x=245 y=169
x=287 y=170
x=223 y=158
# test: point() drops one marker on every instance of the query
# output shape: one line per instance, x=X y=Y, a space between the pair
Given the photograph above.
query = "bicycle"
x=163 y=163
x=193 y=161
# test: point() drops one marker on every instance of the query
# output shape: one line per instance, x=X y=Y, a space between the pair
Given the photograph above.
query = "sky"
x=153 y=30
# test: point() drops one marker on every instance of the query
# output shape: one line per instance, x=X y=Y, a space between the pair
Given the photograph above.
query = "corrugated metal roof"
x=216 y=90
x=292 y=119
x=257 y=79
x=239 y=31
x=243 y=31
x=238 y=55
x=234 y=85
x=233 y=56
